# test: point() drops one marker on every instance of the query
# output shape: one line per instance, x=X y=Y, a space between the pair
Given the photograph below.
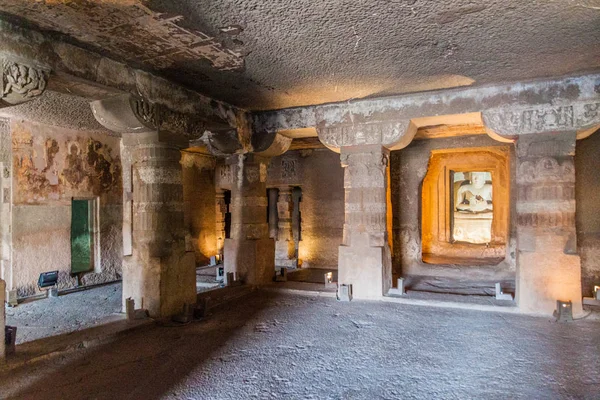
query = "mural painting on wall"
x=51 y=168
x=472 y=212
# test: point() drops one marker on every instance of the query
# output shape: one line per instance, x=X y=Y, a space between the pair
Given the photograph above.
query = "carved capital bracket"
x=270 y=144
x=131 y=114
x=198 y=160
x=21 y=81
x=512 y=122
x=386 y=134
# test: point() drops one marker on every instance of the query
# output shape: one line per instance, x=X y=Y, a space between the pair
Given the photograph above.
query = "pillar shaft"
x=250 y=253
x=364 y=257
x=285 y=248
x=160 y=274
x=548 y=264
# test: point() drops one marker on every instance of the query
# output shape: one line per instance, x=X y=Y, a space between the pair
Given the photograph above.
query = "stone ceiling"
x=260 y=54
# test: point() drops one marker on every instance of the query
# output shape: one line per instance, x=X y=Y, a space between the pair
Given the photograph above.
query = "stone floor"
x=270 y=345
x=72 y=312
x=47 y=317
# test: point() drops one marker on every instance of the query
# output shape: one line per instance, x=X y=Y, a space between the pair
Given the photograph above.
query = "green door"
x=81 y=238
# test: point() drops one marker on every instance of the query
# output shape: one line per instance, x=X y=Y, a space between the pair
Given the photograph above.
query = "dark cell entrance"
x=81 y=236
x=227 y=198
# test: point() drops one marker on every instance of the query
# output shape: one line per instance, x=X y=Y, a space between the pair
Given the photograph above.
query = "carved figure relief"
x=472 y=213
x=384 y=133
x=542 y=119
x=252 y=173
x=225 y=175
x=22 y=80
x=288 y=169
x=546 y=169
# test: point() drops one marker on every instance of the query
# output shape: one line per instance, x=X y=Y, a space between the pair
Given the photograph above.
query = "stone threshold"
x=307 y=289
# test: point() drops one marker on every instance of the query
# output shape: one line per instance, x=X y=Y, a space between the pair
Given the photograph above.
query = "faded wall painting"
x=472 y=212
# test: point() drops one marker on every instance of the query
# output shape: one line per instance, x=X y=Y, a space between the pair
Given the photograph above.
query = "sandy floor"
x=272 y=345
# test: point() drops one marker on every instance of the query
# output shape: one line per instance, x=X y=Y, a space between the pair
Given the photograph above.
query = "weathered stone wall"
x=51 y=166
x=320 y=175
x=200 y=215
x=408 y=169
x=587 y=193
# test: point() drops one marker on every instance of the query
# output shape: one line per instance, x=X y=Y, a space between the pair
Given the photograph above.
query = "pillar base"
x=544 y=278
x=367 y=269
x=162 y=285
x=251 y=259
x=286 y=263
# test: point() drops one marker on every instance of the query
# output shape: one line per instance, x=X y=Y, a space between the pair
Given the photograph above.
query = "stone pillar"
x=272 y=212
x=249 y=253
x=2 y=319
x=221 y=210
x=285 y=247
x=548 y=264
x=160 y=274
x=364 y=257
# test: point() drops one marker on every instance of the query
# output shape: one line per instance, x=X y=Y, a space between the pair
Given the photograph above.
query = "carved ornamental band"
x=522 y=121
x=382 y=133
x=21 y=82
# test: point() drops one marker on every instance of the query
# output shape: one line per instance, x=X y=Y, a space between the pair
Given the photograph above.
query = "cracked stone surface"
x=271 y=345
x=274 y=54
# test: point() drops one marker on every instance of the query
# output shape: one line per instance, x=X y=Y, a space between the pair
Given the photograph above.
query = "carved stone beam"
x=22 y=80
x=389 y=134
x=131 y=114
x=513 y=121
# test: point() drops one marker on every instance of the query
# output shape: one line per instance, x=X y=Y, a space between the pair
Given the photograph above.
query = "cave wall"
x=51 y=166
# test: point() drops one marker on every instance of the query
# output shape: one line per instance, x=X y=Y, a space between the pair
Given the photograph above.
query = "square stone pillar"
x=2 y=319
x=285 y=247
x=160 y=274
x=249 y=253
x=364 y=257
x=549 y=267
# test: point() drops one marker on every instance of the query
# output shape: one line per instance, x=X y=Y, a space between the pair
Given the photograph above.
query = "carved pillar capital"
x=131 y=114
x=382 y=133
x=21 y=81
x=198 y=160
x=270 y=144
x=515 y=121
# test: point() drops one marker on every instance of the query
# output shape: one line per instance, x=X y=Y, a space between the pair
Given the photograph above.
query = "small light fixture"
x=597 y=292
x=48 y=281
x=329 y=283
x=564 y=311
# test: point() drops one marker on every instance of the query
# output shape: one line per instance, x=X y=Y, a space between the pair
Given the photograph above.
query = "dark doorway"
x=227 y=198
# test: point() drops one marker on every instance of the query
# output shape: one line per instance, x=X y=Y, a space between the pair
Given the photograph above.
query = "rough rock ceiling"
x=260 y=54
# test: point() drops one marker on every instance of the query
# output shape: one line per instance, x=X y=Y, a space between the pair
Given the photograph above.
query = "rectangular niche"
x=465 y=206
x=472 y=206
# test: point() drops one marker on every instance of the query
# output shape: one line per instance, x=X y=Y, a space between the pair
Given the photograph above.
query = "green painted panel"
x=81 y=238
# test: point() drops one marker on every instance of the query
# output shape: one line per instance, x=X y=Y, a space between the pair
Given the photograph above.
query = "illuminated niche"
x=465 y=206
